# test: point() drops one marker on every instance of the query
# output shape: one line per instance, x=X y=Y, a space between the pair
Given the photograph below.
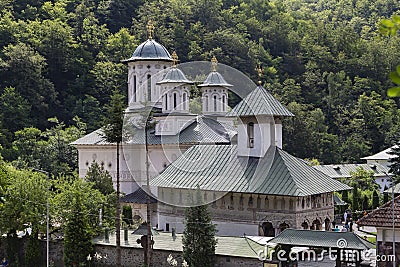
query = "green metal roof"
x=323 y=239
x=218 y=168
x=226 y=245
x=345 y=170
x=202 y=130
x=260 y=102
x=338 y=201
x=93 y=138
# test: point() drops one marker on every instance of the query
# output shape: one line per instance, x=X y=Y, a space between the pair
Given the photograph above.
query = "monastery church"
x=233 y=156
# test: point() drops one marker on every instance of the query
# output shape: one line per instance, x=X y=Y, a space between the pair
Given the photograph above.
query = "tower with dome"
x=232 y=154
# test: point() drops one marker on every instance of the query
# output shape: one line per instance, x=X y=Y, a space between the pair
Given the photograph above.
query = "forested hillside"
x=324 y=59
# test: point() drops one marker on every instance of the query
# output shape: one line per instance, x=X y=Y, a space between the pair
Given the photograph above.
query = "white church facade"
x=233 y=156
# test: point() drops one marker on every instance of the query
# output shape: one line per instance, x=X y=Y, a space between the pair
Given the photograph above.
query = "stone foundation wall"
x=131 y=257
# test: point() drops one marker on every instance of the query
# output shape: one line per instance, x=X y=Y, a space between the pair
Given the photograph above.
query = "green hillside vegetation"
x=324 y=59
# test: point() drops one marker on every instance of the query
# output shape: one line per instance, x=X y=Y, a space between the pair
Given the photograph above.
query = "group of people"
x=348 y=221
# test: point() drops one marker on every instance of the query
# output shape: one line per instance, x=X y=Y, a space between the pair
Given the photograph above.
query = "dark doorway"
x=268 y=229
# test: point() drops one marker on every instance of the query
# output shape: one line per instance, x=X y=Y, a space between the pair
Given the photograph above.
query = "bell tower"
x=259 y=117
x=145 y=68
x=214 y=91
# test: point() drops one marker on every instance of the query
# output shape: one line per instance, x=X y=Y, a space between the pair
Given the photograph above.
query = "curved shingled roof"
x=150 y=50
x=259 y=102
x=215 y=79
x=175 y=75
x=218 y=168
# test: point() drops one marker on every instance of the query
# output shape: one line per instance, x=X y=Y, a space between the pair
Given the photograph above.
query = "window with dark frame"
x=250 y=134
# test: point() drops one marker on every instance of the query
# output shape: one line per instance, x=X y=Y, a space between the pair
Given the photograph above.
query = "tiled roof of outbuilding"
x=382 y=216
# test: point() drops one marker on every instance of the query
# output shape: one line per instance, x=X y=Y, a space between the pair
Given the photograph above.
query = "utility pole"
x=47 y=214
x=148 y=204
x=118 y=215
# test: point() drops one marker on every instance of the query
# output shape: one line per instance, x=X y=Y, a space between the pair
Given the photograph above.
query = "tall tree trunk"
x=148 y=204
x=118 y=216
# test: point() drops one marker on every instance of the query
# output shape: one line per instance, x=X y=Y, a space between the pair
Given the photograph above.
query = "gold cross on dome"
x=174 y=59
x=214 y=63
x=150 y=29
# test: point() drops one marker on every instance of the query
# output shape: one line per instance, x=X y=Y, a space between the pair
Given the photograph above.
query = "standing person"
x=4 y=262
x=345 y=217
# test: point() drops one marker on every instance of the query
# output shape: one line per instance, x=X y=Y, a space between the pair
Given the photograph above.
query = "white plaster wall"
x=264 y=136
x=172 y=125
x=141 y=70
x=208 y=104
x=386 y=234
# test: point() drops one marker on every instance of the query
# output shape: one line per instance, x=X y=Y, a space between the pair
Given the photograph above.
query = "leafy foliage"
x=199 y=236
x=321 y=58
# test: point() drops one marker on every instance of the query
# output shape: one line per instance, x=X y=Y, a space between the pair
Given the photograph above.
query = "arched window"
x=184 y=101
x=134 y=88
x=206 y=103
x=166 y=101
x=175 y=100
x=250 y=134
x=215 y=103
x=148 y=87
x=223 y=103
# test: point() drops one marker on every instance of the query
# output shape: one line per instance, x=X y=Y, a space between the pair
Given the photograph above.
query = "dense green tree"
x=103 y=182
x=364 y=180
x=23 y=68
x=395 y=162
x=62 y=57
x=375 y=200
x=199 y=236
x=23 y=205
x=14 y=110
x=78 y=232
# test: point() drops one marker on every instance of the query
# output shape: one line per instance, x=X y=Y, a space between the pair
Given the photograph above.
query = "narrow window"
x=223 y=103
x=250 y=134
x=206 y=103
x=148 y=87
x=184 y=101
x=215 y=103
x=134 y=88
x=166 y=101
x=175 y=104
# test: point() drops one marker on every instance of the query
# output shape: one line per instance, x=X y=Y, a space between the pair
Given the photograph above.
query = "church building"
x=232 y=157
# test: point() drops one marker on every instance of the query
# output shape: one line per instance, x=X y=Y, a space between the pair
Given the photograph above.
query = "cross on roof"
x=174 y=59
x=150 y=29
x=214 y=63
